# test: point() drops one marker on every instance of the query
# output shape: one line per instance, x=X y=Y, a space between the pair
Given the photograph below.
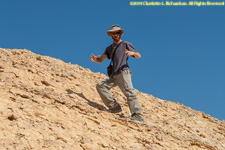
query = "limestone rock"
x=49 y=104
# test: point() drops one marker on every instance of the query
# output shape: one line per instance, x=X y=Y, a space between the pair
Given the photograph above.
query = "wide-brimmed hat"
x=115 y=28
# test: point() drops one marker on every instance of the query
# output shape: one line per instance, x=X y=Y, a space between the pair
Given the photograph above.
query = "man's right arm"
x=98 y=59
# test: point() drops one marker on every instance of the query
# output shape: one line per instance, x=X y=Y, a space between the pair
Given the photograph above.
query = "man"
x=121 y=74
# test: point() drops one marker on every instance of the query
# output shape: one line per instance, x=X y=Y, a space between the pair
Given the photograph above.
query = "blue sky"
x=182 y=47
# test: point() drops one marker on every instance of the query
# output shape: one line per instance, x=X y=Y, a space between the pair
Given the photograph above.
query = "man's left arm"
x=132 y=53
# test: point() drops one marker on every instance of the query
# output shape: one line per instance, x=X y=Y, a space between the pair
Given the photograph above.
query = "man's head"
x=115 y=32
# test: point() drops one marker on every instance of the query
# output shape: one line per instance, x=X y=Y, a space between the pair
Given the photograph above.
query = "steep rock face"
x=48 y=104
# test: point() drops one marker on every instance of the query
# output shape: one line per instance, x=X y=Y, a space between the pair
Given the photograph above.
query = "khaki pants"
x=123 y=80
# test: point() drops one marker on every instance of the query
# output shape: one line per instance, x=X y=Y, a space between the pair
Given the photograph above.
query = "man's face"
x=116 y=35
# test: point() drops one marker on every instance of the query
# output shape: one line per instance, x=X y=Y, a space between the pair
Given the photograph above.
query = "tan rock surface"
x=48 y=104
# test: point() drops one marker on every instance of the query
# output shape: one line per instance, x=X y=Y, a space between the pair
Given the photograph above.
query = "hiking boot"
x=137 y=117
x=117 y=109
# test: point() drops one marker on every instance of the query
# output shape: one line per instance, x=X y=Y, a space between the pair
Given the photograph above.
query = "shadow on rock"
x=93 y=104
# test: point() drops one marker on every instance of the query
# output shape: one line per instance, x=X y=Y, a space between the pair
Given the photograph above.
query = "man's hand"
x=131 y=53
x=94 y=58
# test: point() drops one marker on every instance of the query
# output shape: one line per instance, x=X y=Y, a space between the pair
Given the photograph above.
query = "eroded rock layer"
x=46 y=103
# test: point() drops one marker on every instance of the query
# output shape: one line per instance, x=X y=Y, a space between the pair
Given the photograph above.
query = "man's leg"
x=103 y=88
x=123 y=80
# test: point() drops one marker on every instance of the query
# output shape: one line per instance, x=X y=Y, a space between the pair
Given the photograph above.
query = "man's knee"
x=130 y=94
x=98 y=86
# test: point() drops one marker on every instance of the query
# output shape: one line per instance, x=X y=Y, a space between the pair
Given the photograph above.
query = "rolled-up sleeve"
x=130 y=47
x=107 y=53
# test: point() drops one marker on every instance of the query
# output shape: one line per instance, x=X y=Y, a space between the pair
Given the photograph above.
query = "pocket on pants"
x=108 y=83
x=127 y=79
x=127 y=72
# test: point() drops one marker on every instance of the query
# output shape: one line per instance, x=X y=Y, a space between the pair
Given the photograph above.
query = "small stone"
x=45 y=83
x=11 y=117
x=90 y=146
x=85 y=140
x=159 y=137
x=104 y=144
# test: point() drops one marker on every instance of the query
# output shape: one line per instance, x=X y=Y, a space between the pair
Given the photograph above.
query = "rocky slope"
x=46 y=103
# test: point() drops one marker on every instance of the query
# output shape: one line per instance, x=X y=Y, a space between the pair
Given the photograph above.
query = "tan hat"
x=115 y=28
